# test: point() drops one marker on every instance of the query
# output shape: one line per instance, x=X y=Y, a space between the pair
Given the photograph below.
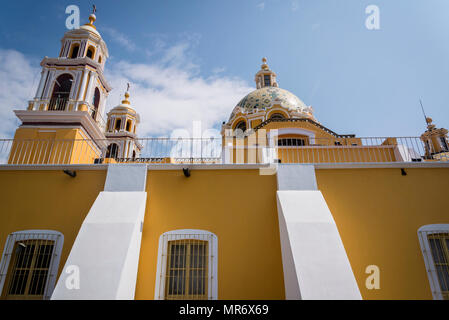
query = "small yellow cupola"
x=121 y=130
x=435 y=141
x=265 y=77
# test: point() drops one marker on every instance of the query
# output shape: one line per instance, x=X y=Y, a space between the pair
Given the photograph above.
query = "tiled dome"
x=265 y=97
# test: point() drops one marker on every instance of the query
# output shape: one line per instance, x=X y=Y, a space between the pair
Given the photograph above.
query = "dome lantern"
x=265 y=77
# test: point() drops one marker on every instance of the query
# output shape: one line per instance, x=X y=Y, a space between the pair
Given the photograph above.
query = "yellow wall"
x=47 y=200
x=378 y=213
x=52 y=146
x=239 y=206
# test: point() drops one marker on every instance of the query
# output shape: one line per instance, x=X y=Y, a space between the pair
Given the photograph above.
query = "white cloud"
x=119 y=38
x=169 y=98
x=261 y=5
x=170 y=93
x=19 y=80
x=218 y=70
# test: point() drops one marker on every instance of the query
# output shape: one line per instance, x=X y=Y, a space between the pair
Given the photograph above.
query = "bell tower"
x=265 y=77
x=71 y=96
x=121 y=131
x=75 y=81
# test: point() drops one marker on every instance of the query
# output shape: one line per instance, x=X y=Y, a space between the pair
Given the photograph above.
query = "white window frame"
x=211 y=238
x=23 y=235
x=273 y=134
x=423 y=232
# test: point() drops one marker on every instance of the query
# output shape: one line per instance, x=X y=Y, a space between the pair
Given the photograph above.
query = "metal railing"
x=58 y=104
x=220 y=151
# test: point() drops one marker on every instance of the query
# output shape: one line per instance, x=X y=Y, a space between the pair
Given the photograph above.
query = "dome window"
x=267 y=80
x=291 y=142
x=277 y=116
x=241 y=126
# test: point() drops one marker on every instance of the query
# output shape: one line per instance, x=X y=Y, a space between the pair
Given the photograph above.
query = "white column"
x=41 y=84
x=89 y=87
x=75 y=85
x=51 y=78
x=82 y=86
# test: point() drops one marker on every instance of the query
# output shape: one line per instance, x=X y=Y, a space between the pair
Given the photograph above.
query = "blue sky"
x=361 y=81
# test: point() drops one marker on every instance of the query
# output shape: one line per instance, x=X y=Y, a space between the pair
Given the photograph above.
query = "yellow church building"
x=278 y=207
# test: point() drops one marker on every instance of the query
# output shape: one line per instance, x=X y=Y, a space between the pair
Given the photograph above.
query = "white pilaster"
x=105 y=255
x=74 y=89
x=41 y=84
x=314 y=259
x=49 y=86
x=89 y=88
x=83 y=85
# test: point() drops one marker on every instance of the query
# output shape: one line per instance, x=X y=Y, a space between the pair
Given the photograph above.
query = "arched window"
x=90 y=52
x=444 y=145
x=128 y=125
x=277 y=116
x=75 y=50
x=29 y=265
x=61 y=92
x=96 y=103
x=241 y=125
x=118 y=124
x=112 y=151
x=99 y=59
x=240 y=129
x=187 y=265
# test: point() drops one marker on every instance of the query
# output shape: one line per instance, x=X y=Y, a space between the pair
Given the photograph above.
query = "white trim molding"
x=423 y=233
x=50 y=235
x=183 y=234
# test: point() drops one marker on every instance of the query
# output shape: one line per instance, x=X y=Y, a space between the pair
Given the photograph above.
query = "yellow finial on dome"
x=264 y=63
x=92 y=18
